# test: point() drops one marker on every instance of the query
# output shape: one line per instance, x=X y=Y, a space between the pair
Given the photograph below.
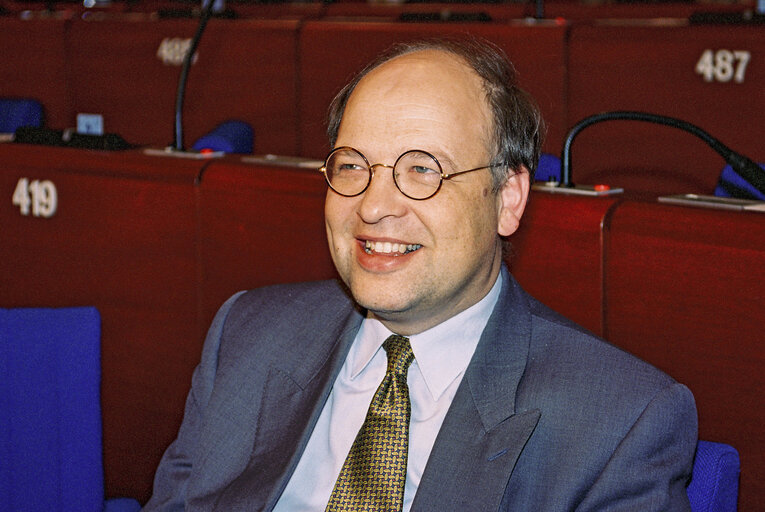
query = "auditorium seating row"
x=279 y=75
x=157 y=243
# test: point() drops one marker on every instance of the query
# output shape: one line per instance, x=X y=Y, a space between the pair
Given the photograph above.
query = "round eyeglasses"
x=417 y=174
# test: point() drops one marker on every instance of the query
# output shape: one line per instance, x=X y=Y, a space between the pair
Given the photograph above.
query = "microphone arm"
x=745 y=167
x=187 y=59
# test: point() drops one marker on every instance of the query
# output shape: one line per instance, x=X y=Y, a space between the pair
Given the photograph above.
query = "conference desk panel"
x=430 y=11
x=34 y=65
x=259 y=224
x=331 y=52
x=708 y=75
x=684 y=290
x=126 y=68
x=509 y=11
x=121 y=238
x=557 y=254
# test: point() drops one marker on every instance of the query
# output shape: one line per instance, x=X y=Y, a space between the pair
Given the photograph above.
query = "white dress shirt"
x=441 y=356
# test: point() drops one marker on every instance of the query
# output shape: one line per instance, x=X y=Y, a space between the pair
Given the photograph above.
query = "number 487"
x=723 y=65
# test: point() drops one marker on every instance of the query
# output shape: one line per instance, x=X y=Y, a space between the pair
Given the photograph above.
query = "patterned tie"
x=374 y=473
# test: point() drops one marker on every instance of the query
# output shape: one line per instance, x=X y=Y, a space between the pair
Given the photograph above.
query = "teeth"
x=389 y=248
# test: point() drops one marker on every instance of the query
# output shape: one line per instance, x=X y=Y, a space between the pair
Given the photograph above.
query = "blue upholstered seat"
x=714 y=487
x=730 y=184
x=229 y=137
x=18 y=112
x=50 y=413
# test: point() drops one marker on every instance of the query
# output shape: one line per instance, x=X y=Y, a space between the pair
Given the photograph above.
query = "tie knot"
x=399 y=352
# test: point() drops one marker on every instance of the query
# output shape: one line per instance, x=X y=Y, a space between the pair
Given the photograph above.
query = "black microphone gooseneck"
x=539 y=9
x=188 y=58
x=744 y=166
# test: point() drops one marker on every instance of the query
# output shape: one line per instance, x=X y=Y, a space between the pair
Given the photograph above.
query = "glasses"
x=417 y=174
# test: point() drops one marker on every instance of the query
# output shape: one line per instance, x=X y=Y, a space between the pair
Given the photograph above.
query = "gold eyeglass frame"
x=371 y=167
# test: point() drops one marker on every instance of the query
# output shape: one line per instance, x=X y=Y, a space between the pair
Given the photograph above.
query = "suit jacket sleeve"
x=171 y=478
x=651 y=467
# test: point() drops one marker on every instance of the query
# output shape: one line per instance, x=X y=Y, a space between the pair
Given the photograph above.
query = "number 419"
x=38 y=196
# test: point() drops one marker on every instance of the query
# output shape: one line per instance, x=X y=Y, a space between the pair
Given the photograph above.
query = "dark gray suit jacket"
x=547 y=418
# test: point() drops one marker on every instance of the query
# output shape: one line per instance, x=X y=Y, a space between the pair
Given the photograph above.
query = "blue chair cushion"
x=50 y=416
x=548 y=169
x=229 y=137
x=15 y=113
x=730 y=184
x=714 y=485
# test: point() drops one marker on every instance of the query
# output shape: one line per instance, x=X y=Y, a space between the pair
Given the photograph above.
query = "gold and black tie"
x=374 y=473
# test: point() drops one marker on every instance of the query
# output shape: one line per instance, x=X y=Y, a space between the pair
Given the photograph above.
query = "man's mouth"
x=391 y=248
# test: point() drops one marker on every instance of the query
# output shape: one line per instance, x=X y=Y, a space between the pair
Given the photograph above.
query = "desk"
x=122 y=239
x=127 y=67
x=684 y=290
x=331 y=54
x=34 y=65
x=710 y=76
x=557 y=254
x=259 y=224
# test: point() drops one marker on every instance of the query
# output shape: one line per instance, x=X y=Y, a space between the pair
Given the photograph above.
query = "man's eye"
x=350 y=167
x=421 y=169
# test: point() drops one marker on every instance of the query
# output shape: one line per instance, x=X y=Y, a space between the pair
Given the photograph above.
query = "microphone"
x=209 y=5
x=744 y=166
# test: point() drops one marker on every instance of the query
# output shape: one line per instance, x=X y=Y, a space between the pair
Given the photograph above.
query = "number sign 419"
x=38 y=198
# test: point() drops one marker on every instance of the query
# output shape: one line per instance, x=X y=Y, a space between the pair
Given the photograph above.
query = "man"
x=487 y=400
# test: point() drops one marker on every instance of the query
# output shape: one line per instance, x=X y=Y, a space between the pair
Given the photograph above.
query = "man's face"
x=426 y=100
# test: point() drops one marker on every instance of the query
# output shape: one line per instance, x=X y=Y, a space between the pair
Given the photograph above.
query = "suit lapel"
x=483 y=435
x=279 y=403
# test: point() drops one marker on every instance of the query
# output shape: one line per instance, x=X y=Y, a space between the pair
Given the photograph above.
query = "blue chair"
x=50 y=412
x=548 y=168
x=714 y=484
x=15 y=113
x=730 y=184
x=229 y=137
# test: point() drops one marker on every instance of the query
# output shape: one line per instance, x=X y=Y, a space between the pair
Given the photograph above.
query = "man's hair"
x=518 y=126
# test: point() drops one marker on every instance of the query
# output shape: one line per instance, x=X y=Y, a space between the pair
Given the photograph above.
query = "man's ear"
x=512 y=199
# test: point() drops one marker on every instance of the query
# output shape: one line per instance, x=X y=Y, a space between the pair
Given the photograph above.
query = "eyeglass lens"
x=416 y=173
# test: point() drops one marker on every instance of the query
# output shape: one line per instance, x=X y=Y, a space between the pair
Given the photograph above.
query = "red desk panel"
x=259 y=225
x=557 y=254
x=571 y=10
x=332 y=52
x=665 y=69
x=34 y=65
x=392 y=11
x=121 y=239
x=127 y=69
x=684 y=290
x=612 y=10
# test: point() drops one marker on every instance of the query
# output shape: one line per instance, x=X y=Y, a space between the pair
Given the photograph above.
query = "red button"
x=601 y=187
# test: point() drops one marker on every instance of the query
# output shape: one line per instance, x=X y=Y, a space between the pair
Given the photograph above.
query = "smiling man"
x=428 y=380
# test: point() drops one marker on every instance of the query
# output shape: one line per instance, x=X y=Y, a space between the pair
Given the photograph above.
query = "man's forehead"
x=435 y=61
x=428 y=99
x=424 y=76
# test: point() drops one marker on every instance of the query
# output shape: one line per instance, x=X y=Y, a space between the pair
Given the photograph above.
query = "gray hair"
x=518 y=125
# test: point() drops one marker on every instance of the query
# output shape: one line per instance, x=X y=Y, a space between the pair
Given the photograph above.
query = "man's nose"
x=382 y=198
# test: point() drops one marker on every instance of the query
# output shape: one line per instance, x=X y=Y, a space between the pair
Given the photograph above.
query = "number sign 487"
x=723 y=65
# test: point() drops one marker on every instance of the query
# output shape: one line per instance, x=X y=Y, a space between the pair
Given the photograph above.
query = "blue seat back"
x=714 y=485
x=229 y=137
x=50 y=416
x=730 y=184
x=15 y=113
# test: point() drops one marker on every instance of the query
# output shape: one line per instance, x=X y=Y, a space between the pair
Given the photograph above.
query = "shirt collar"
x=442 y=353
